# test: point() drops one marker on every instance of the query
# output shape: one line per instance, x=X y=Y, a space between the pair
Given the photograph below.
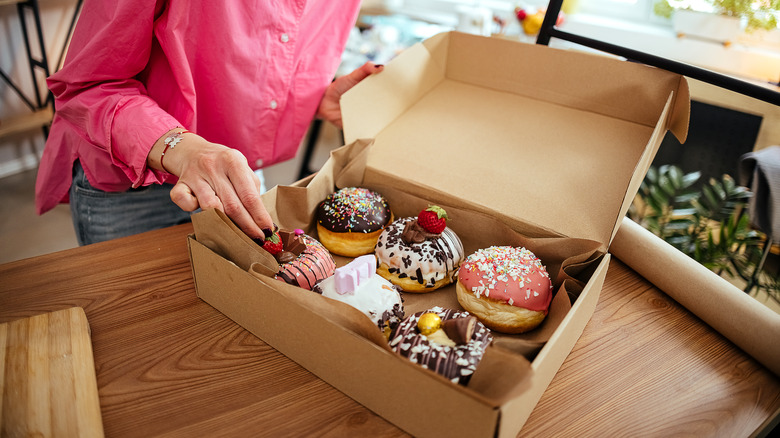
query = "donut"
x=350 y=220
x=303 y=261
x=446 y=341
x=358 y=285
x=506 y=287
x=419 y=259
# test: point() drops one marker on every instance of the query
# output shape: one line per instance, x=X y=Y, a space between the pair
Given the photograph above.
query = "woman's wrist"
x=164 y=156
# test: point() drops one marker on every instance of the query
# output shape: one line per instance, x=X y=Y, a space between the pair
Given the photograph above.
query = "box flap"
x=541 y=135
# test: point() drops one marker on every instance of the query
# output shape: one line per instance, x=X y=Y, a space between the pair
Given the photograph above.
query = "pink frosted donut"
x=506 y=287
x=306 y=267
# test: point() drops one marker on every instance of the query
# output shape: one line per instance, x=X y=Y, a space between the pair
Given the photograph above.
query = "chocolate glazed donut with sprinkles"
x=350 y=220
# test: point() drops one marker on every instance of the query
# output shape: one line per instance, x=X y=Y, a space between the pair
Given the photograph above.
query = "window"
x=632 y=10
x=446 y=10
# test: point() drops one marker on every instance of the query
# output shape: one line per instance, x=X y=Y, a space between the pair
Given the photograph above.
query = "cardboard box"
x=522 y=144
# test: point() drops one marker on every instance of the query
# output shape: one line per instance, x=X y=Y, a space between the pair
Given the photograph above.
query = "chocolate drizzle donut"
x=313 y=264
x=350 y=220
x=467 y=339
x=422 y=265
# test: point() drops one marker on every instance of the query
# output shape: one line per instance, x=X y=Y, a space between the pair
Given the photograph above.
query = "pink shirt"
x=245 y=74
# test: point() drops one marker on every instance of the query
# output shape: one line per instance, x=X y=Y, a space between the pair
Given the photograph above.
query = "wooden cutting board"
x=47 y=377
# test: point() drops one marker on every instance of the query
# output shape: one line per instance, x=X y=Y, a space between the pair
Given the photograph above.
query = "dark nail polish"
x=267 y=232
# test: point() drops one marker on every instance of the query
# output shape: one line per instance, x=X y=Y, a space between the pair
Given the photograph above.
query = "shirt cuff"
x=135 y=128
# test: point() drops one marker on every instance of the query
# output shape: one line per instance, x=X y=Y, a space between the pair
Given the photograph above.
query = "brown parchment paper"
x=224 y=238
x=569 y=261
x=747 y=323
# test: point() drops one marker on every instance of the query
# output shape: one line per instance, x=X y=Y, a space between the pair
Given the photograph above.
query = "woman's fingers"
x=182 y=196
x=247 y=188
x=363 y=72
x=220 y=178
x=241 y=201
x=330 y=108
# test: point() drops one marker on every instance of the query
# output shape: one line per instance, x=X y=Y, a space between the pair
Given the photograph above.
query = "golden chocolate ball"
x=429 y=323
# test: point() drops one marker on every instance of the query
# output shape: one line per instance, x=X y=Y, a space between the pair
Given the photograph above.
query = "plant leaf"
x=686 y=197
x=678 y=212
x=665 y=184
x=679 y=224
x=661 y=200
x=690 y=179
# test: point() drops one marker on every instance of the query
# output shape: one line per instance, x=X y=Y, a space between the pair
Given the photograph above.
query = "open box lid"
x=556 y=138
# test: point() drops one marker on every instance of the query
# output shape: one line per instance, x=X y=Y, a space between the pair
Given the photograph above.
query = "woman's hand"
x=214 y=176
x=330 y=109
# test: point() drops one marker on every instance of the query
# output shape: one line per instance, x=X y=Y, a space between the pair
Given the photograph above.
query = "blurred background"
x=738 y=38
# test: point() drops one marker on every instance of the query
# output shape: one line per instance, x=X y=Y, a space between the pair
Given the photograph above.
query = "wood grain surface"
x=169 y=364
x=47 y=377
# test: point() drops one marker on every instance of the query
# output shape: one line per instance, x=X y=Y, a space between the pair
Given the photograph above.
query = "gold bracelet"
x=170 y=142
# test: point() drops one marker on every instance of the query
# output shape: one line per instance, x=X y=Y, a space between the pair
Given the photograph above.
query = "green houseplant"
x=758 y=14
x=705 y=220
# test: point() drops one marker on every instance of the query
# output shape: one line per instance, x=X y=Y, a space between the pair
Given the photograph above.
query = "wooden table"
x=169 y=364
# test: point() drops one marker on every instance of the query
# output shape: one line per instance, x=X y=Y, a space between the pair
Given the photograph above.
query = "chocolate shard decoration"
x=460 y=330
x=414 y=233
x=292 y=243
x=285 y=257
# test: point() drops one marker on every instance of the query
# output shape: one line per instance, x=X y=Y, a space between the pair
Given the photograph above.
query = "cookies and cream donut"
x=303 y=261
x=350 y=220
x=417 y=259
x=358 y=285
x=506 y=287
x=448 y=342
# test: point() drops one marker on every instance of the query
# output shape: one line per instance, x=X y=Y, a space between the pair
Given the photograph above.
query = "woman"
x=174 y=100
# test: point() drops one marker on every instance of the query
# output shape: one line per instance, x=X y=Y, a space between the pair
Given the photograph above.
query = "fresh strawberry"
x=273 y=244
x=433 y=219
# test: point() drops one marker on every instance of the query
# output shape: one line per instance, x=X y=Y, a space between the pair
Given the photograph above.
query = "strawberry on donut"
x=303 y=261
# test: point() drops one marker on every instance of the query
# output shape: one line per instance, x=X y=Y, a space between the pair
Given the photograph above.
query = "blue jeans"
x=99 y=216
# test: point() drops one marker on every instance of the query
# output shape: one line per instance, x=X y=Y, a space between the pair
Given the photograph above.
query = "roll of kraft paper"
x=749 y=324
